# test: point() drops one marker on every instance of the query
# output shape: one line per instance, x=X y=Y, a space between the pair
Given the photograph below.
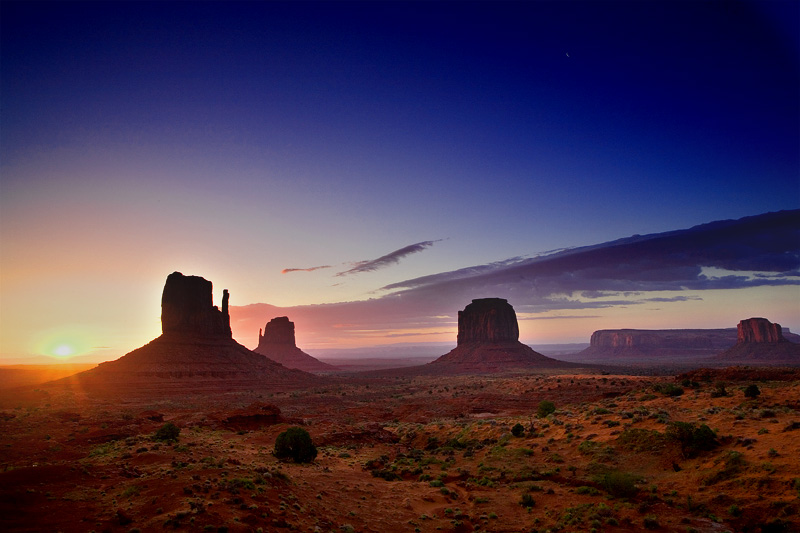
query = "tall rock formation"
x=195 y=350
x=760 y=341
x=187 y=308
x=487 y=320
x=488 y=341
x=758 y=330
x=278 y=344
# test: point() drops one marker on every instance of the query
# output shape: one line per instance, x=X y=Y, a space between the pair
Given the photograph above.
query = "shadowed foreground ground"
x=407 y=454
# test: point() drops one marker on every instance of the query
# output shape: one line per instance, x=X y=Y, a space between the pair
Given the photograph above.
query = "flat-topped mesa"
x=187 y=308
x=487 y=320
x=758 y=330
x=278 y=331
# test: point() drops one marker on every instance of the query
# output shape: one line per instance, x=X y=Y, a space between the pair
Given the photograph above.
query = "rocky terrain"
x=278 y=344
x=456 y=454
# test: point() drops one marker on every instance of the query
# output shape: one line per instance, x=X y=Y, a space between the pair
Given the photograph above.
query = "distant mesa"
x=278 y=343
x=488 y=341
x=664 y=345
x=611 y=344
x=195 y=346
x=760 y=341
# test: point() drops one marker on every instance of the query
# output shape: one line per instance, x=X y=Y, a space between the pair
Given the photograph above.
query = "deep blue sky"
x=234 y=140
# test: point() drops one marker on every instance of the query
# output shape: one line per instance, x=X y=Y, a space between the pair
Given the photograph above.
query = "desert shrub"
x=719 y=390
x=295 y=443
x=668 y=389
x=167 y=432
x=546 y=407
x=589 y=447
x=733 y=463
x=619 y=484
x=752 y=391
x=591 y=491
x=693 y=439
x=651 y=522
x=518 y=430
x=527 y=500
x=642 y=440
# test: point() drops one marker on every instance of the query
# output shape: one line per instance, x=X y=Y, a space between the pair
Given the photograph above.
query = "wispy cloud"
x=390 y=259
x=311 y=269
x=633 y=272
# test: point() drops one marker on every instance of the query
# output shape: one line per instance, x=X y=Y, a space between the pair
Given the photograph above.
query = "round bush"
x=752 y=391
x=168 y=432
x=546 y=407
x=295 y=443
x=518 y=430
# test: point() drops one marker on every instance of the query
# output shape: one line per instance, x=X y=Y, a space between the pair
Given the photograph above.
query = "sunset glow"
x=368 y=169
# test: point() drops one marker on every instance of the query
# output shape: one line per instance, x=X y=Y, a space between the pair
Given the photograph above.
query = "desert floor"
x=408 y=454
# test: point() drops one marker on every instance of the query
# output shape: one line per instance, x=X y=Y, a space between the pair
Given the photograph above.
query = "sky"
x=324 y=155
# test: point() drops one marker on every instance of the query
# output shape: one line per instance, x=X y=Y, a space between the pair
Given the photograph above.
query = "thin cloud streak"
x=388 y=259
x=311 y=269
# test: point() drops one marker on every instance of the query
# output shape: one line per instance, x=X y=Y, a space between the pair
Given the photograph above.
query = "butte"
x=488 y=341
x=195 y=351
x=278 y=343
x=760 y=341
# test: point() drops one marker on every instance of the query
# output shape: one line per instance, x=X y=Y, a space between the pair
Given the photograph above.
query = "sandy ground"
x=414 y=454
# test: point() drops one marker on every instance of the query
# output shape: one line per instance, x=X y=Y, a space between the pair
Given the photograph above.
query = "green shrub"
x=527 y=500
x=752 y=391
x=167 y=432
x=518 y=430
x=719 y=391
x=546 y=407
x=693 y=439
x=651 y=522
x=642 y=440
x=668 y=389
x=295 y=443
x=619 y=484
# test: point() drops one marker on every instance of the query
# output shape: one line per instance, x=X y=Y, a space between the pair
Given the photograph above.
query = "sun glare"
x=63 y=350
x=63 y=343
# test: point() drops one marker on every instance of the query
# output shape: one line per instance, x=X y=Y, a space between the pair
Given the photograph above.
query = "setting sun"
x=63 y=350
